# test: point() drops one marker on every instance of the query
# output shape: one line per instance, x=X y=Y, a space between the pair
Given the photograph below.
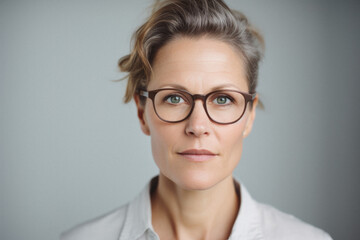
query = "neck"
x=193 y=214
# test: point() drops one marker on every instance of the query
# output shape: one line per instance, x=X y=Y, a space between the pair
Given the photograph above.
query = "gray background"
x=70 y=150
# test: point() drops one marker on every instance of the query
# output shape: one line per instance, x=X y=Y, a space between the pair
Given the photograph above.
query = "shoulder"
x=279 y=225
x=107 y=226
x=126 y=222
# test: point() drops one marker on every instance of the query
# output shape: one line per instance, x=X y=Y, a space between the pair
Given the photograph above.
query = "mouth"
x=197 y=155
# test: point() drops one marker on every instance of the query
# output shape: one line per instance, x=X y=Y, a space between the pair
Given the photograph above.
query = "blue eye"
x=174 y=99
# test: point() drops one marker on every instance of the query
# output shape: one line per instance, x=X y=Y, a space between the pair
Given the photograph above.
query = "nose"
x=198 y=123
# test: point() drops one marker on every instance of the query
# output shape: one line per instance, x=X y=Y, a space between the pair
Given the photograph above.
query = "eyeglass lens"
x=222 y=106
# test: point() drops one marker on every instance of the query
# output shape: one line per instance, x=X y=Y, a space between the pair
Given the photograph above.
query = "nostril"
x=196 y=131
x=197 y=126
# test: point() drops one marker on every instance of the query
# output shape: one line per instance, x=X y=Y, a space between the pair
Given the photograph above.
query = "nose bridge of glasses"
x=200 y=97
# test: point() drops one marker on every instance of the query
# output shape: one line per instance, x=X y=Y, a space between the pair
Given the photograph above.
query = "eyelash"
x=183 y=99
x=166 y=98
x=223 y=96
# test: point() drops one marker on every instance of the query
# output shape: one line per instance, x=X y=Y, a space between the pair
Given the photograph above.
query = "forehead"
x=199 y=65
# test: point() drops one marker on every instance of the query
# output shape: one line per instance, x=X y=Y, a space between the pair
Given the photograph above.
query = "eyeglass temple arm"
x=144 y=93
x=253 y=96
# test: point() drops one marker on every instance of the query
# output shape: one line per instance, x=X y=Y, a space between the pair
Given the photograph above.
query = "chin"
x=197 y=181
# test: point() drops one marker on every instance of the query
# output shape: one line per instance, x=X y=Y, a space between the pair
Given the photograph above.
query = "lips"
x=197 y=155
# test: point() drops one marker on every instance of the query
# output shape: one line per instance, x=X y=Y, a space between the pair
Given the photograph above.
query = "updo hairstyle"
x=193 y=19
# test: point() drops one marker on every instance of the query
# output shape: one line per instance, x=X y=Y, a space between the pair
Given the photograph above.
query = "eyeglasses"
x=222 y=106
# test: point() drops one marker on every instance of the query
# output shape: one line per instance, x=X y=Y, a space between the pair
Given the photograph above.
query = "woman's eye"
x=174 y=99
x=221 y=100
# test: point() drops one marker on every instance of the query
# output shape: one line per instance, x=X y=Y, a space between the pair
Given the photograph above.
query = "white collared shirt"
x=255 y=221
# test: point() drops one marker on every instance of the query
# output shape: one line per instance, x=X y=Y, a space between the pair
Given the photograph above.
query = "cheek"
x=163 y=137
x=232 y=140
x=161 y=141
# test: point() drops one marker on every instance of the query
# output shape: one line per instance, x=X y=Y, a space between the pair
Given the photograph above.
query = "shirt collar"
x=248 y=221
x=138 y=217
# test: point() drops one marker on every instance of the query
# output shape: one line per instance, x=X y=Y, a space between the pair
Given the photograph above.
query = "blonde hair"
x=190 y=18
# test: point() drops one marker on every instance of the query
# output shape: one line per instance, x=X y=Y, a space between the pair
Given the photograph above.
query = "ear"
x=141 y=115
x=251 y=118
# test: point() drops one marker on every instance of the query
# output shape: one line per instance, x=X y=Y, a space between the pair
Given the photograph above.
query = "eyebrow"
x=173 y=85
x=219 y=87
x=226 y=86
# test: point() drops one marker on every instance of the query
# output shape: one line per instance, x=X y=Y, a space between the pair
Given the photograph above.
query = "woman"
x=193 y=75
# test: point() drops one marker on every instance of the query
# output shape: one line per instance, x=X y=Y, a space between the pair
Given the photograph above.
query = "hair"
x=190 y=18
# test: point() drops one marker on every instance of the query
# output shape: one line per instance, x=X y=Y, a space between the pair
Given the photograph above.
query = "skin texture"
x=195 y=199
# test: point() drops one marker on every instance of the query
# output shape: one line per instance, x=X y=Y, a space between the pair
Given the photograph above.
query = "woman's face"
x=196 y=153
